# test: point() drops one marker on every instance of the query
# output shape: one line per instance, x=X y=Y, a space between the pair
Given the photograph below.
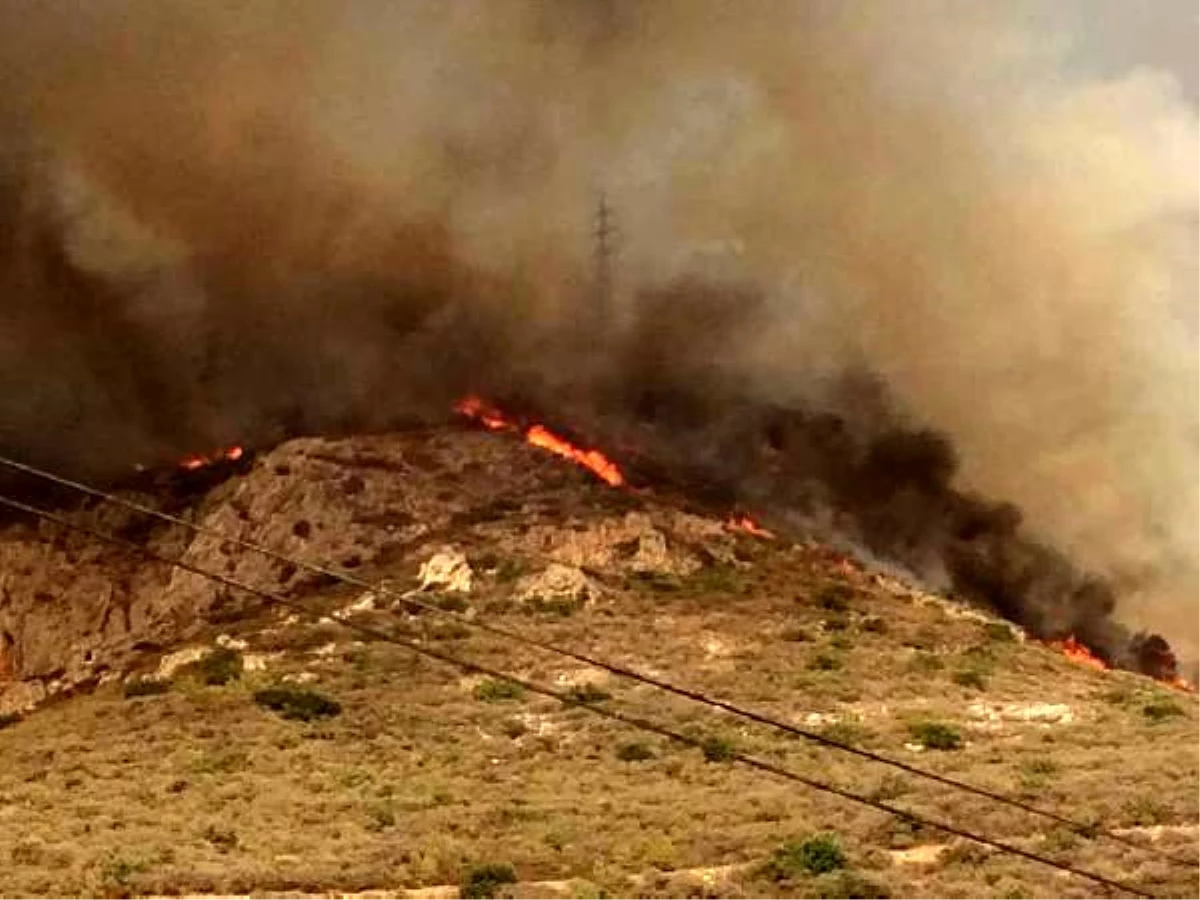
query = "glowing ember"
x=541 y=436
x=196 y=461
x=487 y=416
x=749 y=526
x=1074 y=650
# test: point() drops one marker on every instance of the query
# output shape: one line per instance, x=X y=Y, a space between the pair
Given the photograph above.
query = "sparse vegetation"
x=935 y=735
x=484 y=881
x=498 y=690
x=298 y=704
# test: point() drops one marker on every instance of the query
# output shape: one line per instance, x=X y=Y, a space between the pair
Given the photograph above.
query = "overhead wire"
x=567 y=699
x=1088 y=830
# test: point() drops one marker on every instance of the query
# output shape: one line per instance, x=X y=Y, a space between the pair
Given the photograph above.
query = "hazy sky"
x=1113 y=36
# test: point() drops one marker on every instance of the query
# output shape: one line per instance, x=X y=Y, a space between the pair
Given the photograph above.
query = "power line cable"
x=566 y=699
x=1084 y=829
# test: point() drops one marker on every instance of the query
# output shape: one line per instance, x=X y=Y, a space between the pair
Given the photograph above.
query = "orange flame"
x=749 y=526
x=1074 y=650
x=600 y=465
x=540 y=436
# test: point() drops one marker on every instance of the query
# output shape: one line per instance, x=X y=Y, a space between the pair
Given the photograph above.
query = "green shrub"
x=380 y=816
x=497 y=690
x=716 y=579
x=451 y=602
x=634 y=751
x=847 y=733
x=718 y=749
x=935 y=735
x=1161 y=708
x=875 y=625
x=146 y=687
x=659 y=582
x=1039 y=766
x=999 y=632
x=217 y=667
x=971 y=678
x=484 y=881
x=825 y=662
x=815 y=855
x=835 y=597
x=588 y=693
x=297 y=704
x=511 y=570
x=795 y=634
x=926 y=662
x=224 y=839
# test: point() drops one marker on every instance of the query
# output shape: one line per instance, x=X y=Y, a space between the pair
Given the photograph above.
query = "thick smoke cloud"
x=226 y=222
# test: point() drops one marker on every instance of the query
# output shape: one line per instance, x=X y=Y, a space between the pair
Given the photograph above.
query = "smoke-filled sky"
x=227 y=220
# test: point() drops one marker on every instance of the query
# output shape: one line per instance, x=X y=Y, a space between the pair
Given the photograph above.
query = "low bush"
x=718 y=749
x=484 y=881
x=588 y=693
x=835 y=597
x=936 y=735
x=217 y=667
x=634 y=751
x=815 y=855
x=146 y=687
x=497 y=690
x=1161 y=708
x=971 y=678
x=299 y=704
x=825 y=662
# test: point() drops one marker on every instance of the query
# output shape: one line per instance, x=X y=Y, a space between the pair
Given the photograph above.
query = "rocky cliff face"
x=74 y=609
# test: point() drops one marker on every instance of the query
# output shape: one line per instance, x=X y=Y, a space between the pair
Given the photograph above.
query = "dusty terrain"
x=426 y=776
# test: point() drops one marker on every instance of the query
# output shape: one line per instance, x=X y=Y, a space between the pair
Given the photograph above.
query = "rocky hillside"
x=178 y=737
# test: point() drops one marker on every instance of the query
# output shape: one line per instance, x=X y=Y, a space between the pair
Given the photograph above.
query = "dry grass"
x=427 y=775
